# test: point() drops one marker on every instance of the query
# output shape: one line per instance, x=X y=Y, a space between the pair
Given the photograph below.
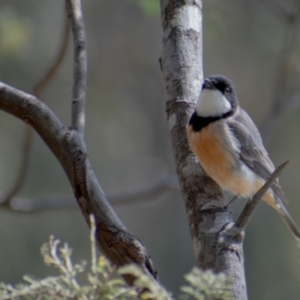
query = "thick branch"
x=80 y=65
x=181 y=64
x=120 y=246
x=28 y=134
x=112 y=236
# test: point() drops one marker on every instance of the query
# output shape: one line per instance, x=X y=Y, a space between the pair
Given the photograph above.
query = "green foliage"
x=14 y=32
x=102 y=281
x=152 y=290
x=205 y=285
x=150 y=7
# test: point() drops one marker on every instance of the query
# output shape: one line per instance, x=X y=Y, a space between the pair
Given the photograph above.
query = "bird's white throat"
x=212 y=103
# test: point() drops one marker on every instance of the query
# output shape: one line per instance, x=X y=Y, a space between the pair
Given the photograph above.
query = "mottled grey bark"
x=217 y=244
x=68 y=145
x=116 y=242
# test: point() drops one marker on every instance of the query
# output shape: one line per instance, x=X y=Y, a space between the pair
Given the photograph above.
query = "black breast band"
x=198 y=122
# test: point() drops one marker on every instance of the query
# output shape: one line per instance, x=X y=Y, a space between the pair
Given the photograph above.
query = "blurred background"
x=127 y=135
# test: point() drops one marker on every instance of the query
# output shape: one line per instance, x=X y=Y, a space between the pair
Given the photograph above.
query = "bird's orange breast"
x=211 y=152
x=217 y=158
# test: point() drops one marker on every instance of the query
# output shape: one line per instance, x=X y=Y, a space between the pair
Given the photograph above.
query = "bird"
x=229 y=146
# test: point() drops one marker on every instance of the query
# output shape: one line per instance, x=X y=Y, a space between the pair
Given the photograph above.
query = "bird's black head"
x=217 y=98
x=223 y=85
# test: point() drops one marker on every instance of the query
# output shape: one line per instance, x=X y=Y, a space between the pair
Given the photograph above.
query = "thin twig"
x=162 y=184
x=80 y=65
x=250 y=207
x=138 y=195
x=23 y=167
x=93 y=244
x=279 y=10
x=28 y=134
x=50 y=73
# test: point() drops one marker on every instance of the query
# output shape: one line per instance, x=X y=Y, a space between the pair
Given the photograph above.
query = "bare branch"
x=181 y=64
x=18 y=182
x=51 y=72
x=28 y=205
x=251 y=205
x=138 y=195
x=34 y=112
x=162 y=184
x=80 y=65
x=120 y=246
x=279 y=10
x=27 y=139
x=115 y=241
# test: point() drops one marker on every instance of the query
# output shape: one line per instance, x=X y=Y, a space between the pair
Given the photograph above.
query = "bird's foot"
x=230 y=202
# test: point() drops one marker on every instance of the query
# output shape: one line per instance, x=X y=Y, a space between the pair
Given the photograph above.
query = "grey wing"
x=252 y=151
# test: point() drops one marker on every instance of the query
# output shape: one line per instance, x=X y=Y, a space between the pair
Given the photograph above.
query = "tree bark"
x=68 y=145
x=217 y=244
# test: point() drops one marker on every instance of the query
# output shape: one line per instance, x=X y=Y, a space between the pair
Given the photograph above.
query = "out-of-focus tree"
x=121 y=110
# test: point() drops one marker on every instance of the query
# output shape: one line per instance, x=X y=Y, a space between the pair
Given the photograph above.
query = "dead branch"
x=28 y=134
x=80 y=65
x=137 y=195
x=67 y=144
x=23 y=167
x=52 y=70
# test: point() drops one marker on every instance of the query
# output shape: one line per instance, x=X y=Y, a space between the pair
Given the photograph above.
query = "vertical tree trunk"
x=216 y=244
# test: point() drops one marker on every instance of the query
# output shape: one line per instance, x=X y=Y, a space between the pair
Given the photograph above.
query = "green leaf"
x=150 y=7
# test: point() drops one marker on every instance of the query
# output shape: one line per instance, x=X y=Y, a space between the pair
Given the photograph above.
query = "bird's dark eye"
x=227 y=90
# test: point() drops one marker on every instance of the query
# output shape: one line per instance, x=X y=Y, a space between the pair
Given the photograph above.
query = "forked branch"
x=251 y=205
x=28 y=133
x=68 y=145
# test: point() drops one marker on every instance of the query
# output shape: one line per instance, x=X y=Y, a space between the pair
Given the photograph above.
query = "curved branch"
x=18 y=182
x=114 y=240
x=50 y=73
x=34 y=112
x=138 y=195
x=28 y=134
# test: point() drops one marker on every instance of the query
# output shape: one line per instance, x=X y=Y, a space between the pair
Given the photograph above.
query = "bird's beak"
x=207 y=84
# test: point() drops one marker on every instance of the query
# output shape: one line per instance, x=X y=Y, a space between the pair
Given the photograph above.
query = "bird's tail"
x=276 y=202
x=288 y=220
